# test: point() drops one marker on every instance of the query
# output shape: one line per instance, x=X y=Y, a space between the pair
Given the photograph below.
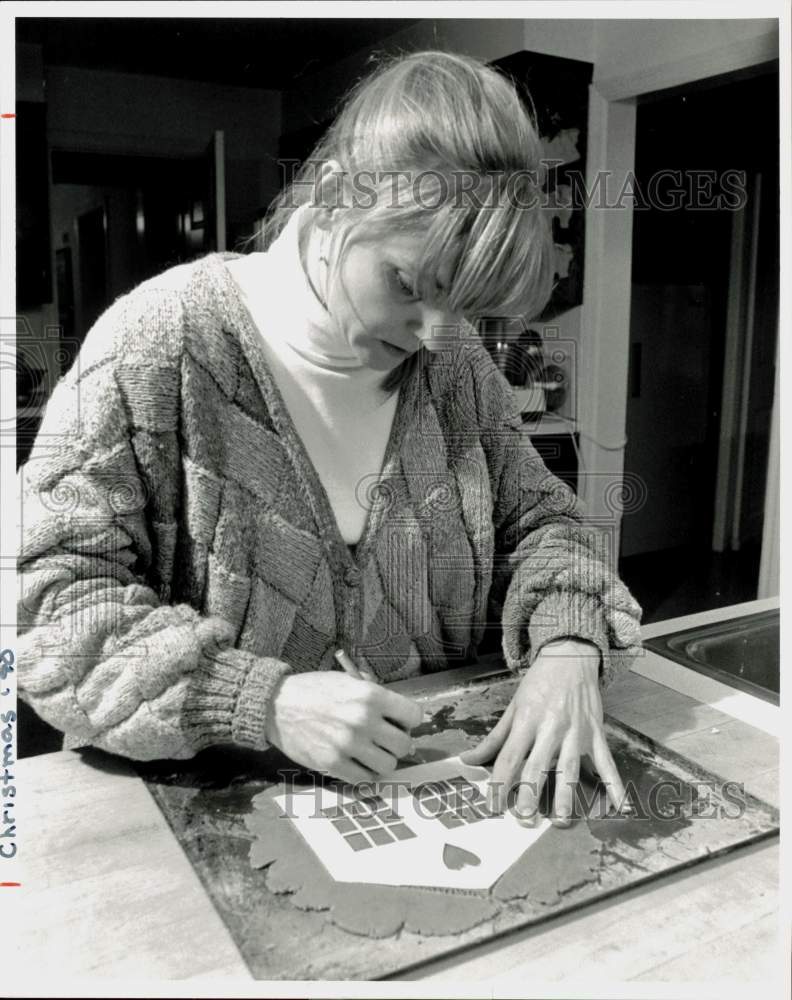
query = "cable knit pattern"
x=179 y=555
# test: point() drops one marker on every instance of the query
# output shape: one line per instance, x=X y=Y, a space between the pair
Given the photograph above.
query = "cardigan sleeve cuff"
x=561 y=615
x=567 y=615
x=230 y=697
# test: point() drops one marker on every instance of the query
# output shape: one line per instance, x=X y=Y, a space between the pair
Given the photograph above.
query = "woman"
x=261 y=458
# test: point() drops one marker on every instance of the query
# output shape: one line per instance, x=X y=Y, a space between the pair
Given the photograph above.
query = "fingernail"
x=526 y=815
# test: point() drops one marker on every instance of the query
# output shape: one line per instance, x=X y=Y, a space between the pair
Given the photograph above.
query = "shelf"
x=549 y=423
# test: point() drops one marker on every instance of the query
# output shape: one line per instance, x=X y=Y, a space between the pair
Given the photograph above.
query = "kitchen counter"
x=107 y=891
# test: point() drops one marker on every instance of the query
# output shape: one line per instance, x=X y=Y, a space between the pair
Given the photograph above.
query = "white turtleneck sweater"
x=342 y=416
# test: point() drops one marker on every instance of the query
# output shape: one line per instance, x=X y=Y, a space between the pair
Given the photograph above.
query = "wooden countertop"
x=107 y=891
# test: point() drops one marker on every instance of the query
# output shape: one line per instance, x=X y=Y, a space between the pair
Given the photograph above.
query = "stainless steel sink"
x=742 y=652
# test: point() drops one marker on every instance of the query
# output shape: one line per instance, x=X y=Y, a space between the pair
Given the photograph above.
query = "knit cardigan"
x=179 y=556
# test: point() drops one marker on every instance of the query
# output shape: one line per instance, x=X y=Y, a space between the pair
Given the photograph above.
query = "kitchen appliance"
x=518 y=353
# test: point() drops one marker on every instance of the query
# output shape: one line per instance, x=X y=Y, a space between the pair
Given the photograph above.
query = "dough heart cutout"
x=457 y=858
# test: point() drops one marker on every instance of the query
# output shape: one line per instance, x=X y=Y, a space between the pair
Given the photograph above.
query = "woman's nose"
x=437 y=328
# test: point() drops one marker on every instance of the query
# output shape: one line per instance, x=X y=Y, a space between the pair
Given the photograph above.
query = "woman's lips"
x=394 y=348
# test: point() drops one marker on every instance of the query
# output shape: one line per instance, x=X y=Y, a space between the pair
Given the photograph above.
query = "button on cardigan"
x=179 y=556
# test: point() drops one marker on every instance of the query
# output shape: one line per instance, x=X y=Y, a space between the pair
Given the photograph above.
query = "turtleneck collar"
x=303 y=321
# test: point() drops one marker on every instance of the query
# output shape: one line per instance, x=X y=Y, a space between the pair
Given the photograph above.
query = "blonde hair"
x=448 y=130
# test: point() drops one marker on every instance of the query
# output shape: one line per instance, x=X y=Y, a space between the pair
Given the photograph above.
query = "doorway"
x=126 y=218
x=703 y=331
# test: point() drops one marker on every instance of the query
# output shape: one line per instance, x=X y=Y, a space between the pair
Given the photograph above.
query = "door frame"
x=605 y=322
x=770 y=559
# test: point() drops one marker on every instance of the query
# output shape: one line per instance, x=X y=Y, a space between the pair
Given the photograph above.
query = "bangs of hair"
x=490 y=257
x=480 y=262
x=500 y=261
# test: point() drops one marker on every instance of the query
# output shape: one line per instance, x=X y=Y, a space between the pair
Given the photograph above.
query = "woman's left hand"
x=556 y=712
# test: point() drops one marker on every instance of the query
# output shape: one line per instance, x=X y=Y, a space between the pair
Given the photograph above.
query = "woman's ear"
x=328 y=193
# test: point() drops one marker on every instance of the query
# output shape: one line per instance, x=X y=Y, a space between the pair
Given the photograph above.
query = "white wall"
x=626 y=47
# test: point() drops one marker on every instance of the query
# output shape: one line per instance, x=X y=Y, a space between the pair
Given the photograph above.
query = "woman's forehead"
x=403 y=244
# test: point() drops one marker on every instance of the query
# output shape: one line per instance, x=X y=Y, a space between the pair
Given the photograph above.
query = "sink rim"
x=660 y=644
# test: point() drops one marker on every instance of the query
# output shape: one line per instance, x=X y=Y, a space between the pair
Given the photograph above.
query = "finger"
x=534 y=774
x=605 y=764
x=404 y=712
x=353 y=772
x=392 y=739
x=492 y=742
x=567 y=775
x=374 y=758
x=509 y=762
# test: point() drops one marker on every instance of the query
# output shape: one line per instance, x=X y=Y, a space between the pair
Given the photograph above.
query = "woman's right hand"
x=339 y=725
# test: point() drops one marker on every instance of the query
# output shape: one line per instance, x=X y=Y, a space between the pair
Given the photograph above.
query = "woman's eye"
x=405 y=286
